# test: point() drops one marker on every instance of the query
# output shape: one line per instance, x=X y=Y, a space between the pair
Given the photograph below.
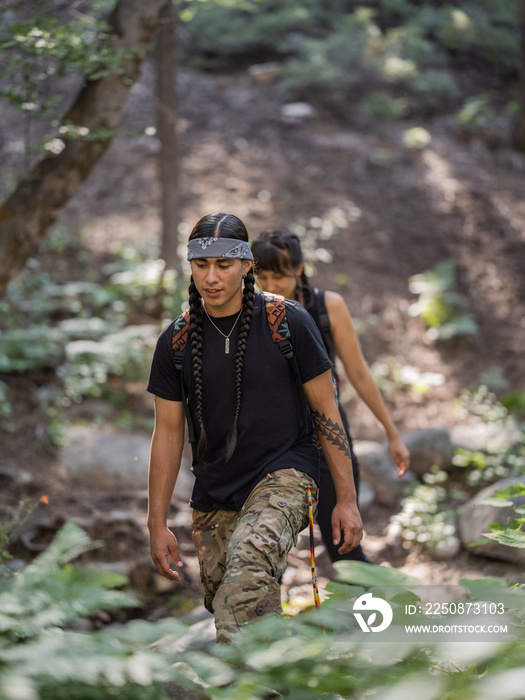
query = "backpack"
x=279 y=331
x=317 y=309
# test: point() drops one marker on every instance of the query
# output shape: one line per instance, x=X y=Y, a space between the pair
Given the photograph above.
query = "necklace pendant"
x=227 y=346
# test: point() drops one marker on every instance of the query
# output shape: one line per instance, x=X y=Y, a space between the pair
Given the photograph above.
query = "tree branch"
x=37 y=201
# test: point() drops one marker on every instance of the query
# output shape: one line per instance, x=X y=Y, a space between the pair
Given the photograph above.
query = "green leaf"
x=479 y=542
x=509 y=538
x=51 y=592
x=360 y=573
x=487 y=581
x=517 y=489
x=495 y=501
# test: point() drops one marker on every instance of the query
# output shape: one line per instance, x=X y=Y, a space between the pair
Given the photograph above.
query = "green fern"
x=50 y=592
x=36 y=606
x=104 y=664
x=141 y=660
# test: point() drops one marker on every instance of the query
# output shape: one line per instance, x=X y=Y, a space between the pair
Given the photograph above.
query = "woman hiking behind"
x=280 y=270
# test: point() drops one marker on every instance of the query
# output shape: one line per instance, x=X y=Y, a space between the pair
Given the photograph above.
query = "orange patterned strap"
x=276 y=315
x=181 y=329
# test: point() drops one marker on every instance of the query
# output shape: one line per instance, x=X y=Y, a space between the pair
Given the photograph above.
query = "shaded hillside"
x=461 y=197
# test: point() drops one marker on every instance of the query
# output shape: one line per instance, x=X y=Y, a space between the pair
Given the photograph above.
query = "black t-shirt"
x=270 y=431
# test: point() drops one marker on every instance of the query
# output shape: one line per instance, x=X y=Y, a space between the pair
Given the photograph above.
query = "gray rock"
x=428 y=447
x=474 y=518
x=378 y=470
x=104 y=460
x=109 y=461
x=297 y=112
x=366 y=494
x=265 y=72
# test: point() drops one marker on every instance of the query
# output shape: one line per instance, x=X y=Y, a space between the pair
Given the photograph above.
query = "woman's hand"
x=400 y=454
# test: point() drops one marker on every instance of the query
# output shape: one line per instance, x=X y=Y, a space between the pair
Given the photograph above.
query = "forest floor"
x=460 y=197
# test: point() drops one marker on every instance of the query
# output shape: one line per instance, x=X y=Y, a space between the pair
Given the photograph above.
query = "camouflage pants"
x=242 y=554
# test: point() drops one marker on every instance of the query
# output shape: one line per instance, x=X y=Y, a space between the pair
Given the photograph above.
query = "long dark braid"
x=280 y=252
x=304 y=291
x=246 y=318
x=196 y=358
x=222 y=226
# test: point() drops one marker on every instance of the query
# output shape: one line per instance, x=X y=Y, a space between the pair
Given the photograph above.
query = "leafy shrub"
x=482 y=31
x=514 y=402
x=90 y=365
x=476 y=111
x=501 y=457
x=82 y=333
x=358 y=65
x=41 y=658
x=426 y=516
x=330 y=68
x=248 y=28
x=433 y=89
x=13 y=518
x=37 y=53
x=512 y=533
x=338 y=53
x=5 y=409
x=23 y=349
x=381 y=104
x=486 y=466
x=439 y=304
x=292 y=657
x=480 y=401
x=315 y=231
x=102 y=690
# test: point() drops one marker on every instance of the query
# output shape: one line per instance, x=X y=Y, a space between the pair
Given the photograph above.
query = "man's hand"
x=163 y=545
x=346 y=520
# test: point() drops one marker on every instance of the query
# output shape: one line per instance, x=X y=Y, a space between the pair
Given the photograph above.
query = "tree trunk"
x=518 y=134
x=40 y=196
x=167 y=133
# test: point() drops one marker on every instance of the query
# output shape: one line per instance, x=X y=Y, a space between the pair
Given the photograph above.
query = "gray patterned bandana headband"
x=219 y=248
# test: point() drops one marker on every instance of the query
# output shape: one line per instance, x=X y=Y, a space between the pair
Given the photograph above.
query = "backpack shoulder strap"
x=324 y=318
x=281 y=336
x=278 y=323
x=179 y=338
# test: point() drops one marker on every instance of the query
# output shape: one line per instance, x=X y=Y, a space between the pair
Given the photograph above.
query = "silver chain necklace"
x=226 y=337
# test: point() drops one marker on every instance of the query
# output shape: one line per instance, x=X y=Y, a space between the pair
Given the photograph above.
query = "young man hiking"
x=254 y=449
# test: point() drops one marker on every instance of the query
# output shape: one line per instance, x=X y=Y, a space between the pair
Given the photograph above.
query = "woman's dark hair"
x=280 y=252
x=219 y=226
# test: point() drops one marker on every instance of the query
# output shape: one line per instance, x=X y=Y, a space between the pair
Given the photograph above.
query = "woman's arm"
x=334 y=443
x=348 y=349
x=165 y=457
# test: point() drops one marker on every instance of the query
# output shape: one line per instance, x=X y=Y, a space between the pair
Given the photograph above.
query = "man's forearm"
x=164 y=468
x=336 y=449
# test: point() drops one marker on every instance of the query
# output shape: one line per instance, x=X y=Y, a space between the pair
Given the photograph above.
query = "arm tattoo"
x=333 y=432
